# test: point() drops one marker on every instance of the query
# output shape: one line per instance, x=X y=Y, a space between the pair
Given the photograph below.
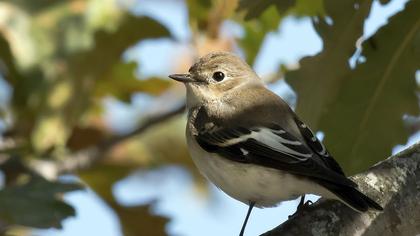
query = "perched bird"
x=249 y=143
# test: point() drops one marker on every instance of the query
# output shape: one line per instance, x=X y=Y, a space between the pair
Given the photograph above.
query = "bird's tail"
x=354 y=198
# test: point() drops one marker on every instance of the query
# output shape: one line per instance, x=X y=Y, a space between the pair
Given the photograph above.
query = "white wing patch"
x=324 y=150
x=316 y=140
x=283 y=140
x=244 y=151
x=272 y=139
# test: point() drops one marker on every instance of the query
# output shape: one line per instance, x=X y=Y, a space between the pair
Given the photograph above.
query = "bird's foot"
x=301 y=207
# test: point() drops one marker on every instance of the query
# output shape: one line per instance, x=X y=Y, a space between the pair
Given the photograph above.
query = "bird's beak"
x=184 y=78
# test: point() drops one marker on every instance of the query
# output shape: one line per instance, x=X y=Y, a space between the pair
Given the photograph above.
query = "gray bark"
x=394 y=183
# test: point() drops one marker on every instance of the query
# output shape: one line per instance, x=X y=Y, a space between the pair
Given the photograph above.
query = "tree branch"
x=85 y=158
x=394 y=183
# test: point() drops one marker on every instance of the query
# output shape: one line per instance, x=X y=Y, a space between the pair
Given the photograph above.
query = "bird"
x=249 y=143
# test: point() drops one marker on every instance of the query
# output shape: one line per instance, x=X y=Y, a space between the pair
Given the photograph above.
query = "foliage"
x=35 y=202
x=62 y=59
x=385 y=86
x=360 y=110
x=268 y=20
x=72 y=60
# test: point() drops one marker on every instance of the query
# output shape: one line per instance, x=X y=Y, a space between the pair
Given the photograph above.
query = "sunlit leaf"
x=36 y=203
x=49 y=131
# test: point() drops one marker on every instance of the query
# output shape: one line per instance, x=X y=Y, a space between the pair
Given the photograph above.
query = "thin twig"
x=85 y=158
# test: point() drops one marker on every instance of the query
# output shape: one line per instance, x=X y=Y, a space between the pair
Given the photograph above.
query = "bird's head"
x=214 y=76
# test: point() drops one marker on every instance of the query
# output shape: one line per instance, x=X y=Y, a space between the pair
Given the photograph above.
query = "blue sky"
x=192 y=213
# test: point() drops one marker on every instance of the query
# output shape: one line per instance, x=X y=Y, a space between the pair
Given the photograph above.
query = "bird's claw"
x=304 y=205
x=301 y=207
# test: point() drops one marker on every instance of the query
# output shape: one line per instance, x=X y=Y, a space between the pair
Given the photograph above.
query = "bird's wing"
x=316 y=145
x=269 y=146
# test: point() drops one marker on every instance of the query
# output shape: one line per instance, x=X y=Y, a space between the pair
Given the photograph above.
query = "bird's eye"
x=218 y=76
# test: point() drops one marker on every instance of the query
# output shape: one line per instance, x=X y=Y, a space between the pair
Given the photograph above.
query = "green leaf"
x=360 y=110
x=35 y=6
x=269 y=19
x=256 y=8
x=365 y=119
x=121 y=83
x=36 y=203
x=255 y=32
x=318 y=79
x=384 y=2
x=309 y=8
x=7 y=65
x=109 y=46
x=60 y=109
x=132 y=225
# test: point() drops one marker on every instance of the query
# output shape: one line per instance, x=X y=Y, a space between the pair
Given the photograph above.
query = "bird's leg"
x=251 y=205
x=302 y=202
x=302 y=205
